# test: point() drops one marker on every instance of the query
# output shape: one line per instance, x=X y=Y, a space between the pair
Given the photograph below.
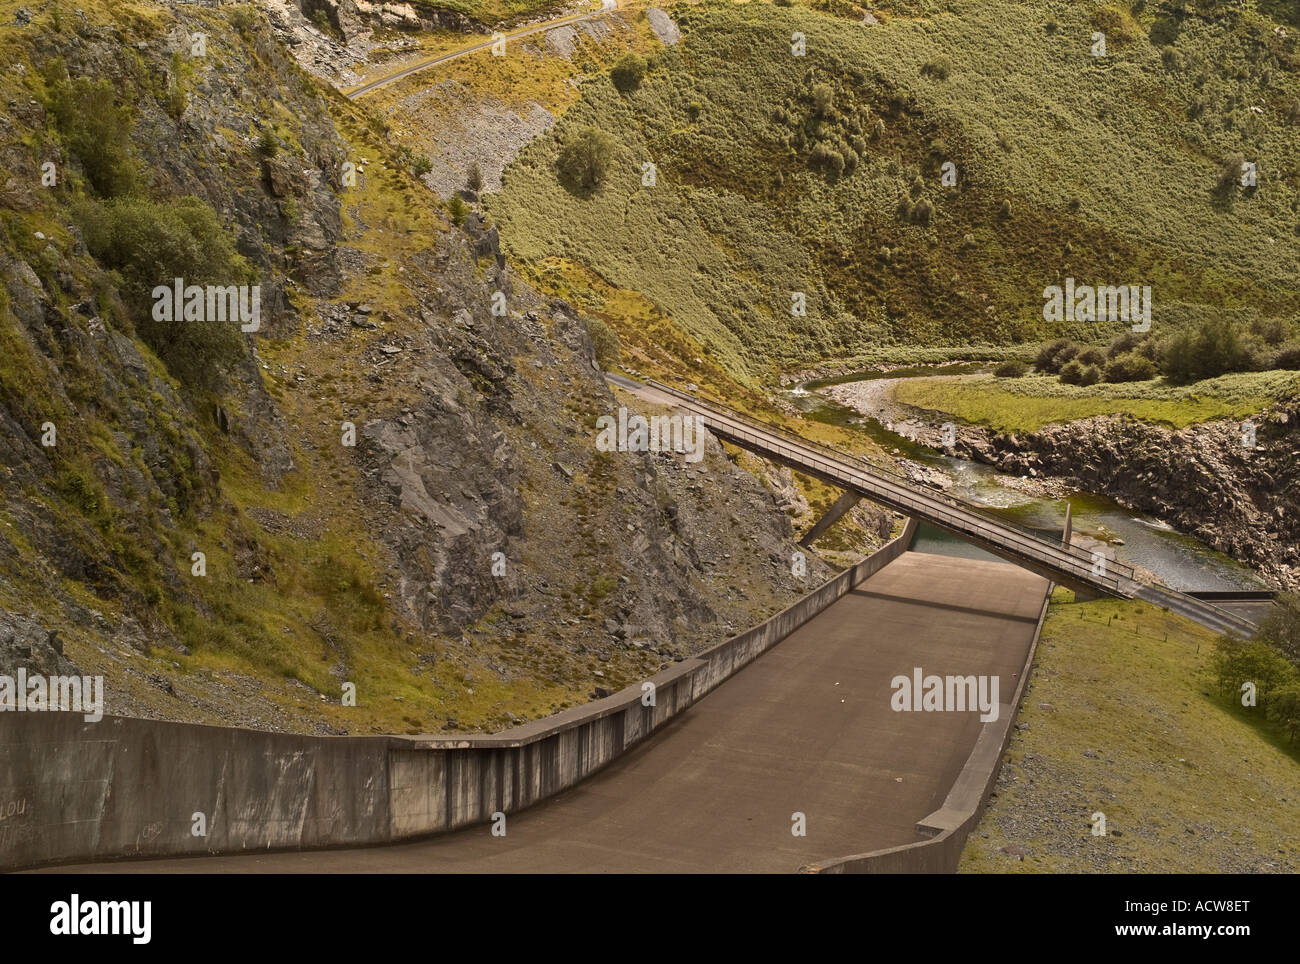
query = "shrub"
x=1213 y=348
x=1046 y=360
x=923 y=211
x=823 y=99
x=1281 y=627
x=1004 y=212
x=628 y=72
x=605 y=342
x=1075 y=373
x=151 y=242
x=585 y=159
x=1130 y=367
x=1288 y=356
x=1091 y=356
x=474 y=179
x=827 y=158
x=1230 y=171
x=1013 y=368
x=1237 y=661
x=967 y=242
x=95 y=128
x=939 y=68
x=457 y=209
x=268 y=145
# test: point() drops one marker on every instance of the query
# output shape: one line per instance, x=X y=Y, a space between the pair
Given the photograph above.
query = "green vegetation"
x=628 y=72
x=95 y=126
x=584 y=162
x=150 y=243
x=1027 y=404
x=1121 y=721
x=1215 y=346
x=823 y=175
x=1269 y=664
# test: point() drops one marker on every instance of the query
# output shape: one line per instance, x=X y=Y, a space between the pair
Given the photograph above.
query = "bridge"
x=1089 y=574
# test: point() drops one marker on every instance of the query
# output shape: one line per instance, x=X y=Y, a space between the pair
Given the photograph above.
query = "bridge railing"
x=904 y=493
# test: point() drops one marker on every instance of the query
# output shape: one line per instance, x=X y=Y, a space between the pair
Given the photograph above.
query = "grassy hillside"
x=821 y=174
x=1121 y=721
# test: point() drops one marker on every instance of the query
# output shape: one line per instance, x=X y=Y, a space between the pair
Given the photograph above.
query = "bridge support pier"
x=833 y=515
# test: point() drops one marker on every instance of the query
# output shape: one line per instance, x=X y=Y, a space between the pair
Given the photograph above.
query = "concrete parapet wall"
x=72 y=791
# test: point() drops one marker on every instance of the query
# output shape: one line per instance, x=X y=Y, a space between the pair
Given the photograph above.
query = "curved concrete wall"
x=949 y=826
x=75 y=791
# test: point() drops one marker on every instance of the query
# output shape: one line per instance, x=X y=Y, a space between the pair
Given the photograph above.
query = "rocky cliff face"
x=391 y=484
x=1242 y=500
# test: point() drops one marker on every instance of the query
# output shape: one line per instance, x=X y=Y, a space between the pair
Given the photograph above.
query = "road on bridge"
x=806 y=728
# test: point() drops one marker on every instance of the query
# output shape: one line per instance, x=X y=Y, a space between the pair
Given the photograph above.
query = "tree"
x=584 y=161
x=628 y=72
x=1281 y=627
x=149 y=243
x=474 y=180
x=96 y=128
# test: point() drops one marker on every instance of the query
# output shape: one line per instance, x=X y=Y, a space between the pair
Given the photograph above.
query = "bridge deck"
x=806 y=728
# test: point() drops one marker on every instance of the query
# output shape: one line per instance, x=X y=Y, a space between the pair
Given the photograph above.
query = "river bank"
x=1189 y=501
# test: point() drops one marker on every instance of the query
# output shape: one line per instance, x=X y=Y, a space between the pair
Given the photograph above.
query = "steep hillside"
x=349 y=469
x=823 y=173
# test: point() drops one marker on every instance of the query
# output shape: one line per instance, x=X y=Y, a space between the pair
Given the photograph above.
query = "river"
x=1137 y=539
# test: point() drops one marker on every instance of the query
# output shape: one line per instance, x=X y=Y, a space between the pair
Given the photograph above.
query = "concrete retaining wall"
x=75 y=791
x=949 y=826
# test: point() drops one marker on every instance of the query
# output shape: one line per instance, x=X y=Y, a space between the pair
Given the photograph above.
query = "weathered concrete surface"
x=808 y=728
x=126 y=787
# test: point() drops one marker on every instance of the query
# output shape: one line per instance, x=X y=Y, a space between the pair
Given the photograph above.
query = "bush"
x=1013 y=368
x=95 y=128
x=474 y=179
x=823 y=99
x=268 y=145
x=827 y=158
x=923 y=211
x=939 y=68
x=1213 y=348
x=628 y=72
x=1236 y=661
x=1072 y=373
x=605 y=342
x=1091 y=356
x=1288 y=356
x=1046 y=360
x=1130 y=367
x=1004 y=212
x=457 y=209
x=584 y=161
x=149 y=243
x=1230 y=171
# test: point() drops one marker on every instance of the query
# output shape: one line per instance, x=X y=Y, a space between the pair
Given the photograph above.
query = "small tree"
x=628 y=72
x=584 y=161
x=474 y=180
x=457 y=208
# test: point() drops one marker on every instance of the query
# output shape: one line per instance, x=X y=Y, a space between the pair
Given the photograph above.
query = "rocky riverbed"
x=1202 y=480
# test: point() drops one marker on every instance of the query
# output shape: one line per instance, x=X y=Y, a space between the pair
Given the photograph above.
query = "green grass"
x=1191 y=787
x=1027 y=404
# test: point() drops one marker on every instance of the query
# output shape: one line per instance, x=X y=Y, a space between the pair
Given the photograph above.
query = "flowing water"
x=1181 y=561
